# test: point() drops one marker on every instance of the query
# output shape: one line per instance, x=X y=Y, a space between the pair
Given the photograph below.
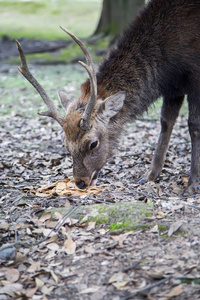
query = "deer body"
x=158 y=55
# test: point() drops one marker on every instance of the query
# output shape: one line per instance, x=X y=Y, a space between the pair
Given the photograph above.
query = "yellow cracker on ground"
x=66 y=187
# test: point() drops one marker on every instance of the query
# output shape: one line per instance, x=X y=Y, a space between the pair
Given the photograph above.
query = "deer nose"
x=81 y=184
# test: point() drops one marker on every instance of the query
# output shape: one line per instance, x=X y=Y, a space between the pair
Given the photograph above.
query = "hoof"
x=190 y=190
x=149 y=176
x=142 y=180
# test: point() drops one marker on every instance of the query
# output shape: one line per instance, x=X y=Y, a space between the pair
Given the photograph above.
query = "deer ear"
x=114 y=104
x=64 y=99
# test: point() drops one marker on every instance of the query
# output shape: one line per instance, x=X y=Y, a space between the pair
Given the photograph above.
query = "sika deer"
x=158 y=55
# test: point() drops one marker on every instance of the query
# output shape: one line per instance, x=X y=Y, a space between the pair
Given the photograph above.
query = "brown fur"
x=158 y=55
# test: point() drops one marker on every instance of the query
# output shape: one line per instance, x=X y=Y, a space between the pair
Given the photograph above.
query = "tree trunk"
x=116 y=15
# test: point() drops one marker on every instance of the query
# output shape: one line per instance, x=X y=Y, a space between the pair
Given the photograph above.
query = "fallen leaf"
x=55 y=277
x=48 y=232
x=176 y=189
x=89 y=249
x=31 y=292
x=50 y=224
x=12 y=275
x=154 y=229
x=121 y=284
x=185 y=180
x=4 y=225
x=29 y=231
x=67 y=203
x=102 y=231
x=70 y=221
x=47 y=290
x=34 y=267
x=121 y=238
x=19 y=258
x=53 y=238
x=160 y=214
x=70 y=246
x=116 y=277
x=37 y=230
x=57 y=215
x=45 y=216
x=11 y=289
x=119 y=280
x=39 y=283
x=50 y=255
x=177 y=207
x=176 y=291
x=53 y=246
x=91 y=225
x=83 y=220
x=90 y=290
x=174 y=227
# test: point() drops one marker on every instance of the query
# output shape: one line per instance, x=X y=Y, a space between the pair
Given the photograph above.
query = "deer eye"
x=93 y=145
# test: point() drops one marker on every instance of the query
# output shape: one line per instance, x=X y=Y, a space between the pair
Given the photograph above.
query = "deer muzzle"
x=83 y=183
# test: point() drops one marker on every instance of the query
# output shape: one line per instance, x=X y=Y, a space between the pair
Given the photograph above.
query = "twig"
x=133 y=266
x=55 y=228
x=73 y=210
x=149 y=287
x=192 y=206
x=98 y=200
x=14 y=227
x=60 y=223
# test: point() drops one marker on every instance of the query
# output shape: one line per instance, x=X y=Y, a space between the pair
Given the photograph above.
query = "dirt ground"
x=85 y=260
x=8 y=46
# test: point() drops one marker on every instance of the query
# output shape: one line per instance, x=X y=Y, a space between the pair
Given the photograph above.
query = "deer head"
x=86 y=122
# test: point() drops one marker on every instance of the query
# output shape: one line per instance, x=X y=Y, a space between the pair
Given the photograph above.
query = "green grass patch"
x=69 y=54
x=129 y=226
x=18 y=97
x=41 y=19
x=117 y=226
x=162 y=228
x=189 y=280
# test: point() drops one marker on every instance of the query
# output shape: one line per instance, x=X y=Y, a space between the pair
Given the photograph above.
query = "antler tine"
x=81 y=45
x=85 y=121
x=52 y=111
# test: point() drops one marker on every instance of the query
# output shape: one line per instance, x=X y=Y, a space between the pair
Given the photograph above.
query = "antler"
x=52 y=111
x=85 y=120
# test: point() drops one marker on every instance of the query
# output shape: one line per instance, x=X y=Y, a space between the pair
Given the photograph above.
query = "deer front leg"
x=194 y=129
x=169 y=113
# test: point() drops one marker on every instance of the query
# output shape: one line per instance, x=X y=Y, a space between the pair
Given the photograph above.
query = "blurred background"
x=35 y=24
x=41 y=19
x=98 y=21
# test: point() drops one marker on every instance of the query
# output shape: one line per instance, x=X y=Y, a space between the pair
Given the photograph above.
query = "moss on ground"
x=126 y=215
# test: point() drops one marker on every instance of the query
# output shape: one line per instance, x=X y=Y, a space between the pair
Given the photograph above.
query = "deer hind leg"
x=194 y=129
x=169 y=113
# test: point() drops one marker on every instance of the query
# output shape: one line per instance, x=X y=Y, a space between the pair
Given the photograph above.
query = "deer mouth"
x=93 y=178
x=84 y=183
